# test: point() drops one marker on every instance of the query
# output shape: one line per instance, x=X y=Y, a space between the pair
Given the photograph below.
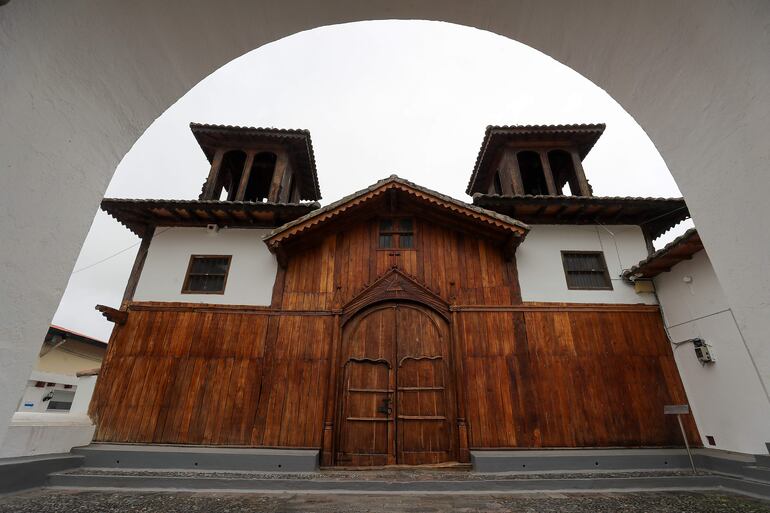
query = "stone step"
x=330 y=484
x=566 y=460
x=31 y=471
x=763 y=460
x=197 y=458
x=757 y=473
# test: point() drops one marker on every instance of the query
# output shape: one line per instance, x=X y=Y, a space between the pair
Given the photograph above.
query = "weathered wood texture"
x=454 y=265
x=569 y=379
x=397 y=395
x=214 y=378
x=528 y=375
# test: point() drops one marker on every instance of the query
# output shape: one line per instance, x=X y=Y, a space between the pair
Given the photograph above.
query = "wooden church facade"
x=396 y=333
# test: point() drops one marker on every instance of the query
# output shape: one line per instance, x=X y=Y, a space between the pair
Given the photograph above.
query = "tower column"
x=211 y=181
x=580 y=174
x=548 y=173
x=245 y=175
x=513 y=173
x=281 y=163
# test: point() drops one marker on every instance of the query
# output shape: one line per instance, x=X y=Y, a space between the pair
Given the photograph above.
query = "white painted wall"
x=541 y=273
x=46 y=433
x=83 y=394
x=76 y=96
x=252 y=268
x=726 y=397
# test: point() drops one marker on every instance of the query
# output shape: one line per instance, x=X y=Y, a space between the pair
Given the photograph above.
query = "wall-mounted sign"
x=676 y=409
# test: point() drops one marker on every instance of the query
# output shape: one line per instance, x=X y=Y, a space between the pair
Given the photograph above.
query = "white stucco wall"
x=726 y=397
x=46 y=433
x=252 y=268
x=541 y=273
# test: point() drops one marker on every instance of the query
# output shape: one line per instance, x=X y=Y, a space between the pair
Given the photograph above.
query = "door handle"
x=385 y=407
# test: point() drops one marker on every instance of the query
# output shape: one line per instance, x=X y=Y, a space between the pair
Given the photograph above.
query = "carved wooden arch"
x=395 y=285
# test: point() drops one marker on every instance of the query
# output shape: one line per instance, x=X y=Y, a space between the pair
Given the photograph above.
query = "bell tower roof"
x=290 y=149
x=497 y=159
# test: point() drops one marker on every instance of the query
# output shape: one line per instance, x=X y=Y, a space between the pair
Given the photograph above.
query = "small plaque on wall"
x=676 y=409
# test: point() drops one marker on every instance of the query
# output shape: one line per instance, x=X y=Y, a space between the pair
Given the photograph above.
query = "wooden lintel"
x=119 y=317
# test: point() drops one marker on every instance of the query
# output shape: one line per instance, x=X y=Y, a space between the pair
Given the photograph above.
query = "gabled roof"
x=680 y=249
x=655 y=215
x=377 y=196
x=297 y=141
x=138 y=214
x=582 y=136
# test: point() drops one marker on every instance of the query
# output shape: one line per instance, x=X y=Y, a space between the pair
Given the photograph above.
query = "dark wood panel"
x=214 y=378
x=569 y=379
x=456 y=266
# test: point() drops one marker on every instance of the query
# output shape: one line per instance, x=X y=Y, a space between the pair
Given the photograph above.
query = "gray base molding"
x=198 y=458
x=571 y=460
x=33 y=471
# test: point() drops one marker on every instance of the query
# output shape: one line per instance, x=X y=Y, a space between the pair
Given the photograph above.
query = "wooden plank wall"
x=332 y=273
x=534 y=377
x=214 y=377
x=569 y=379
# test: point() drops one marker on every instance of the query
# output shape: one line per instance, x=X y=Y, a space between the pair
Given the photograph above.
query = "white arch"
x=81 y=80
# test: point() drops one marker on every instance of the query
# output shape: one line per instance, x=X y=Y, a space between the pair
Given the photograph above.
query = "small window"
x=396 y=233
x=206 y=274
x=586 y=270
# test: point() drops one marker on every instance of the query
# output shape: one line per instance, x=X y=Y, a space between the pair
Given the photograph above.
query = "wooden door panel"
x=367 y=431
x=365 y=439
x=396 y=389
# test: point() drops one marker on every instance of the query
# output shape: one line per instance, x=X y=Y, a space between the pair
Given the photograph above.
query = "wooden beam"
x=585 y=190
x=518 y=184
x=548 y=173
x=245 y=176
x=136 y=271
x=506 y=171
x=119 y=317
x=282 y=257
x=281 y=164
x=213 y=177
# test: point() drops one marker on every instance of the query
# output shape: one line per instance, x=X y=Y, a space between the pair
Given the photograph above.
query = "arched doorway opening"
x=396 y=392
x=658 y=55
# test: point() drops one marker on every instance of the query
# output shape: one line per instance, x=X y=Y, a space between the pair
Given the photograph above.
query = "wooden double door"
x=396 y=390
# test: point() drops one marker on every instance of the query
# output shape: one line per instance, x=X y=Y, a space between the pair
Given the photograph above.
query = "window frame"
x=186 y=283
x=606 y=272
x=396 y=233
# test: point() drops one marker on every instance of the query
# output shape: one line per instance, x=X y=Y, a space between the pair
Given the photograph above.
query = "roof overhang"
x=66 y=334
x=655 y=215
x=396 y=194
x=581 y=137
x=296 y=141
x=138 y=215
x=680 y=249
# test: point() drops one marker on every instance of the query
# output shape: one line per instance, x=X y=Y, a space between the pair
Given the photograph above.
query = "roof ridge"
x=393 y=178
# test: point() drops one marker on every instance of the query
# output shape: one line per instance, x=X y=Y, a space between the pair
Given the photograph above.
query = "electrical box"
x=644 y=286
x=703 y=351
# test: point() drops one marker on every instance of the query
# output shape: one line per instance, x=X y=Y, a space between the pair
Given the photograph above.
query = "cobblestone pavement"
x=71 y=501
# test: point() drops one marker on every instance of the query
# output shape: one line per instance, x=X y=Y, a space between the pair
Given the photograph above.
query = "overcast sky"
x=406 y=97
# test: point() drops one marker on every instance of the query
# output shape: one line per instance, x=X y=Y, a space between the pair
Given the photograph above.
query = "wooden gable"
x=394 y=196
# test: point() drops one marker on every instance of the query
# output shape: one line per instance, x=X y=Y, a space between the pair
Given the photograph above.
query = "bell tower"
x=534 y=160
x=265 y=165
